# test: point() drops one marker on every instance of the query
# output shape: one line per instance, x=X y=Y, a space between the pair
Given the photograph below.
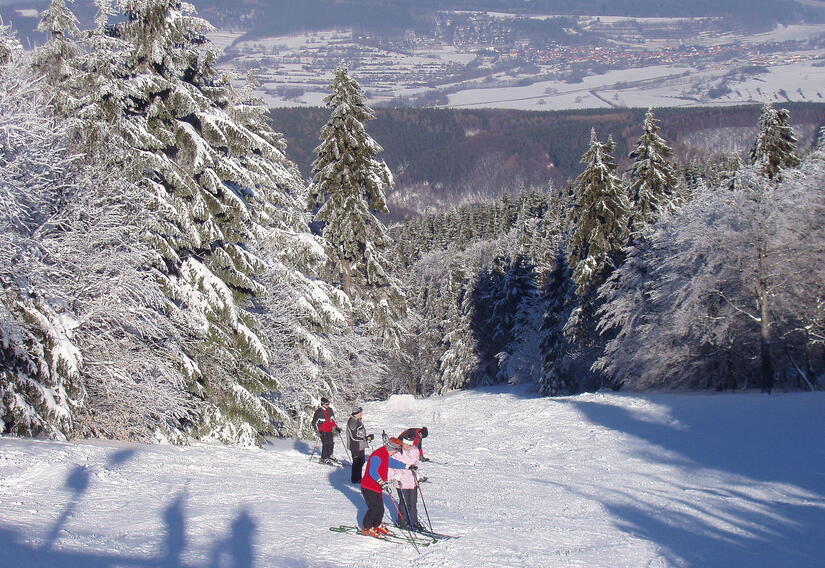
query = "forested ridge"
x=168 y=273
x=458 y=152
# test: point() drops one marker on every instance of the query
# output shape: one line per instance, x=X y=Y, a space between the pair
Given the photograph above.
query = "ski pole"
x=315 y=447
x=418 y=486
x=410 y=521
x=398 y=512
x=340 y=437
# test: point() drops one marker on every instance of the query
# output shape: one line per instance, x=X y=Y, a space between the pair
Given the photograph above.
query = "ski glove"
x=370 y=437
x=413 y=467
x=386 y=485
x=337 y=430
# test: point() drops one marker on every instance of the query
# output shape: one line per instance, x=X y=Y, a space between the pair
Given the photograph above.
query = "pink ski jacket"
x=404 y=478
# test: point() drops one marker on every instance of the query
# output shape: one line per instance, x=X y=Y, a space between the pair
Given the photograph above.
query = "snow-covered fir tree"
x=220 y=189
x=9 y=46
x=598 y=217
x=820 y=139
x=193 y=157
x=55 y=60
x=87 y=303
x=520 y=361
x=459 y=363
x=775 y=147
x=558 y=376
x=39 y=361
x=347 y=191
x=652 y=176
x=304 y=318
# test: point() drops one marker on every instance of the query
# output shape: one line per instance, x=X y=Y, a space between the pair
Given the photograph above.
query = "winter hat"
x=424 y=432
x=324 y=400
x=356 y=410
x=394 y=444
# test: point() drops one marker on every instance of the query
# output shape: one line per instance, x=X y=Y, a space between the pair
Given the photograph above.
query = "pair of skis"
x=332 y=463
x=433 y=535
x=419 y=538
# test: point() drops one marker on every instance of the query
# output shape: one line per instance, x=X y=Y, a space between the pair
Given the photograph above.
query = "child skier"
x=406 y=483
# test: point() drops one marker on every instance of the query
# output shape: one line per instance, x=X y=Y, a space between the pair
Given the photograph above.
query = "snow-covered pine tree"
x=347 y=190
x=628 y=313
x=9 y=45
x=559 y=300
x=216 y=182
x=40 y=384
x=520 y=360
x=598 y=217
x=85 y=295
x=460 y=362
x=426 y=296
x=314 y=352
x=652 y=176
x=55 y=59
x=775 y=146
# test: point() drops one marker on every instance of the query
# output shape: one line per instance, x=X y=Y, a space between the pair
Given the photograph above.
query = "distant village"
x=487 y=50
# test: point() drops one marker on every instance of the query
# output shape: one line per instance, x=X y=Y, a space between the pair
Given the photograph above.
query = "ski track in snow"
x=612 y=480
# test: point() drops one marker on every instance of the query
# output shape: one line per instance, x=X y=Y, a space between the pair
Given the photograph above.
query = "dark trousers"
x=375 y=508
x=357 y=466
x=407 y=503
x=327 y=443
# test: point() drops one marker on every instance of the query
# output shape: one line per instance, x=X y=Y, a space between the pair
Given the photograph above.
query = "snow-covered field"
x=597 y=480
x=558 y=95
x=295 y=70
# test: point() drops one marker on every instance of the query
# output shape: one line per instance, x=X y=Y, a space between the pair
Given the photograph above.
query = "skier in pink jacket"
x=406 y=483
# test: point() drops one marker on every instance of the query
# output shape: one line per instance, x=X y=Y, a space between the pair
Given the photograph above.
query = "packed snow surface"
x=597 y=480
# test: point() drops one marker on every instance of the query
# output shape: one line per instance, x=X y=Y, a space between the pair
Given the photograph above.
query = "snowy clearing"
x=591 y=480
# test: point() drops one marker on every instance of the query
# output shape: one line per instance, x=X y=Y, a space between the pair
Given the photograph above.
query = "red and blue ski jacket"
x=377 y=468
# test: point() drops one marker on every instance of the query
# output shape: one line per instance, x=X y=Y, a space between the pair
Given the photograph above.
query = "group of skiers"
x=394 y=464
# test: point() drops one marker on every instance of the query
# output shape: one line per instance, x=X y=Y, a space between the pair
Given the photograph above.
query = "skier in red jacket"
x=417 y=434
x=323 y=422
x=375 y=482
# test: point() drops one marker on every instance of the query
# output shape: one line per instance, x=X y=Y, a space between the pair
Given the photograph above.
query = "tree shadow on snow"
x=516 y=390
x=709 y=433
x=304 y=447
x=236 y=550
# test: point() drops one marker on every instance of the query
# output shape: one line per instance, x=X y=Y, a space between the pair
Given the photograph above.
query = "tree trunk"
x=765 y=341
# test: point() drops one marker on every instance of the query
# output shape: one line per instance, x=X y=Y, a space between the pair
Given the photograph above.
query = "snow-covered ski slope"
x=597 y=480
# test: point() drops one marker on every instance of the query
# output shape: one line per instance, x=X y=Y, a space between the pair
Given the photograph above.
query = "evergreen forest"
x=168 y=273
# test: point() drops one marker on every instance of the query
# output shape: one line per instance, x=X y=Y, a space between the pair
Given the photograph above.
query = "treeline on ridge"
x=484 y=151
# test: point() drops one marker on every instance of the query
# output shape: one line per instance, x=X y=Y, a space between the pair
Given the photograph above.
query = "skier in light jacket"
x=358 y=439
x=406 y=483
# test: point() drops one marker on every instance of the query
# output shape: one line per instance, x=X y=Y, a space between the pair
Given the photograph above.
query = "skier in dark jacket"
x=375 y=482
x=358 y=439
x=416 y=434
x=323 y=423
